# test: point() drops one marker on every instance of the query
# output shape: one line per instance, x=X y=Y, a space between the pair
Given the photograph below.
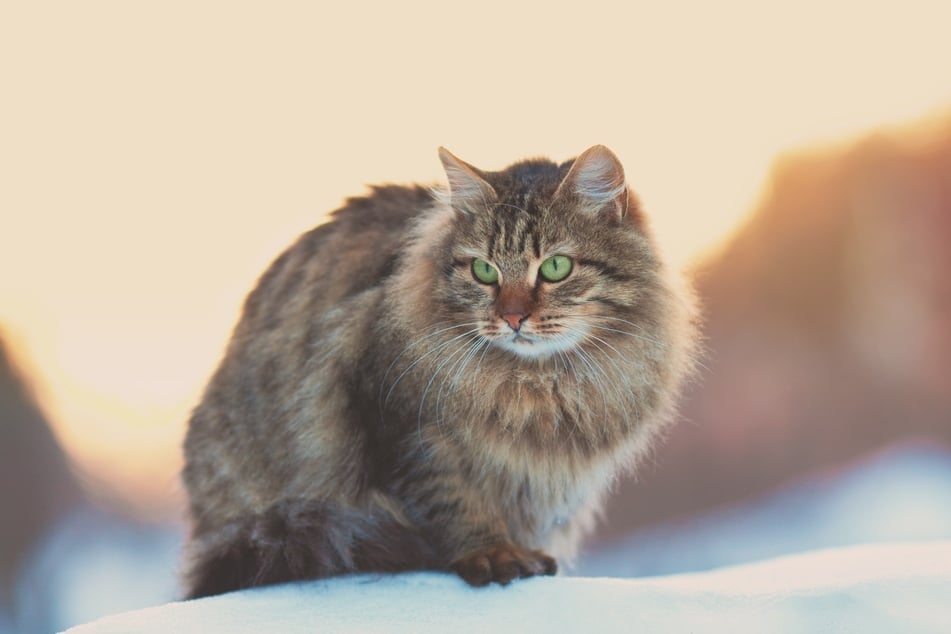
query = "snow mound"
x=901 y=494
x=871 y=588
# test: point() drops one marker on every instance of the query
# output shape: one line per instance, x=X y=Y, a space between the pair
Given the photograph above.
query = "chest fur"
x=539 y=421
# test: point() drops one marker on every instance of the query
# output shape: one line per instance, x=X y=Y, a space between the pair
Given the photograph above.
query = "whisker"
x=462 y=364
x=457 y=365
x=699 y=362
x=596 y=375
x=630 y=323
x=621 y=371
x=589 y=318
x=420 y=359
x=473 y=350
x=416 y=343
x=580 y=403
x=422 y=399
x=606 y=350
x=488 y=344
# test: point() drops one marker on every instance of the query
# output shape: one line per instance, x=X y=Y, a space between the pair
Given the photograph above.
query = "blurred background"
x=155 y=157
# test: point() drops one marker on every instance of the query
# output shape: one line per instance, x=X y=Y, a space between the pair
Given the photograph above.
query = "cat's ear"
x=468 y=191
x=595 y=183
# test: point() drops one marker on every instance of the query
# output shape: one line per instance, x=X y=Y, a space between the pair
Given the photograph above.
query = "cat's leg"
x=475 y=541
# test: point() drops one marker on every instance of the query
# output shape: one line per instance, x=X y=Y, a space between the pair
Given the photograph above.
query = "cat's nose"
x=514 y=320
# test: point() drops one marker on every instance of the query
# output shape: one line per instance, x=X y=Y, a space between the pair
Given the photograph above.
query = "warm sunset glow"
x=155 y=158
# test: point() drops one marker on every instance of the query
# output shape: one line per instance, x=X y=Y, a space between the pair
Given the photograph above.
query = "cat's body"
x=437 y=383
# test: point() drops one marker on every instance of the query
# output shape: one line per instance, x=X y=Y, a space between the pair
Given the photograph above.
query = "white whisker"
x=596 y=376
x=580 y=402
x=422 y=399
x=621 y=372
x=461 y=364
x=417 y=361
x=612 y=355
x=630 y=323
x=416 y=343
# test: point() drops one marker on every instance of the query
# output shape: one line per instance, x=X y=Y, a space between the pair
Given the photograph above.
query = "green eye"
x=555 y=268
x=484 y=272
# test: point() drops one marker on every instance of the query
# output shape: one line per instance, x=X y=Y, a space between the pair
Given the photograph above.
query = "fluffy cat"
x=445 y=380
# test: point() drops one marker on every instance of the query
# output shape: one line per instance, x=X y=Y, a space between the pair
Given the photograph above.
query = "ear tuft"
x=468 y=191
x=596 y=179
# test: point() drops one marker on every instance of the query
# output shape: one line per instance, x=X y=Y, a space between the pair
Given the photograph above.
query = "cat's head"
x=543 y=258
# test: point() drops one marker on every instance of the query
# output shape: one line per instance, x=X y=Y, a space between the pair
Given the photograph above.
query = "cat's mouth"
x=531 y=340
x=523 y=345
x=531 y=346
x=522 y=340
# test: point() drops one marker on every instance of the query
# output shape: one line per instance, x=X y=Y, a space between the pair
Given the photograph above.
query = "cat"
x=445 y=379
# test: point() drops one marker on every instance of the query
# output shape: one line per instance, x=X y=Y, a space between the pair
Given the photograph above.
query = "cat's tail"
x=303 y=539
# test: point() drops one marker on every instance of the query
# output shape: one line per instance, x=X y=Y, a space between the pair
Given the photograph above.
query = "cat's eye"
x=484 y=272
x=555 y=268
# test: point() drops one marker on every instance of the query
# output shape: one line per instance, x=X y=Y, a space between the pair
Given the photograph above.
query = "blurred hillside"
x=828 y=323
x=37 y=488
x=66 y=556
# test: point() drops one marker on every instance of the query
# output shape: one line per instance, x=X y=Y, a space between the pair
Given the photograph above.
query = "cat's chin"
x=534 y=347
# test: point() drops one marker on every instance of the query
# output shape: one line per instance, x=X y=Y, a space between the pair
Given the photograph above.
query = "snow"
x=900 y=494
x=869 y=589
x=94 y=566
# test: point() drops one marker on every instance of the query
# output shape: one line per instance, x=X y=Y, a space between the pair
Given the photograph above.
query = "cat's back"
x=264 y=393
x=355 y=251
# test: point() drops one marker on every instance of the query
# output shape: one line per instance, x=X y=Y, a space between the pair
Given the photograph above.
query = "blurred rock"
x=828 y=323
x=63 y=560
x=95 y=563
x=37 y=488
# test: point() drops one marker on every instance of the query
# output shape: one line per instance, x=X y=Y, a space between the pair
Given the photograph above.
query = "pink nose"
x=514 y=320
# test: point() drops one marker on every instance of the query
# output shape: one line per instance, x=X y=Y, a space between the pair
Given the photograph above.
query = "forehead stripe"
x=523 y=238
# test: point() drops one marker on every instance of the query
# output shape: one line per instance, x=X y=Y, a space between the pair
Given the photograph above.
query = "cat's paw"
x=502 y=563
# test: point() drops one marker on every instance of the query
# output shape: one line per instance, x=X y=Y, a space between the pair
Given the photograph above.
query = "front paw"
x=502 y=563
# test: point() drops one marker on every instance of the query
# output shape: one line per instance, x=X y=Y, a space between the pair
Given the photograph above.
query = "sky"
x=155 y=157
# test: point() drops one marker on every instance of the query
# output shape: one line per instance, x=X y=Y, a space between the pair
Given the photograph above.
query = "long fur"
x=303 y=539
x=375 y=412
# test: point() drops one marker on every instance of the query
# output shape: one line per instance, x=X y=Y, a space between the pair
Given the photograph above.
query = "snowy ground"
x=900 y=494
x=91 y=567
x=869 y=589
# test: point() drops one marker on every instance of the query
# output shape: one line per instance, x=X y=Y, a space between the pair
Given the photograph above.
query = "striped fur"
x=375 y=412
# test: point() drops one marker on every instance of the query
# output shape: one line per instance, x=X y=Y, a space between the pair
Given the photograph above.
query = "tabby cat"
x=438 y=379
